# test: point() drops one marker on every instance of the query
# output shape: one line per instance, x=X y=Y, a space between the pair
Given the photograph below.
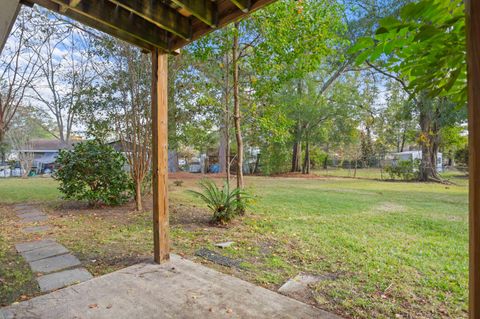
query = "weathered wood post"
x=473 y=59
x=160 y=156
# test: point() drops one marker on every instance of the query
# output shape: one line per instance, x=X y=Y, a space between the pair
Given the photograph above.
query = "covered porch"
x=184 y=288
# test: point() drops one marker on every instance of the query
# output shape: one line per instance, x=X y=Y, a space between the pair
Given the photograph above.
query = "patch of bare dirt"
x=389 y=207
x=189 y=217
x=299 y=175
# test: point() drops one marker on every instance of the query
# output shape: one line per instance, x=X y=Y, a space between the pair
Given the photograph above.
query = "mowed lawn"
x=388 y=249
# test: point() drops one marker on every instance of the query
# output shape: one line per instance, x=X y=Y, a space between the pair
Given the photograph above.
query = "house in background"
x=414 y=155
x=45 y=153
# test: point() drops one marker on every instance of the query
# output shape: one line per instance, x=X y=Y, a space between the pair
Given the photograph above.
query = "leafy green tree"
x=423 y=48
x=292 y=67
x=93 y=172
x=452 y=139
x=425 y=44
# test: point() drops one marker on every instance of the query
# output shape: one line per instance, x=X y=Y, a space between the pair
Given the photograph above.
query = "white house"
x=413 y=155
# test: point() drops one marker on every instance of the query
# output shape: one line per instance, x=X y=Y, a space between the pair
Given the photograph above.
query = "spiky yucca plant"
x=223 y=202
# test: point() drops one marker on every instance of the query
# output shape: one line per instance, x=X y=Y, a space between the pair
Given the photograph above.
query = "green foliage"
x=94 y=172
x=406 y=170
x=275 y=158
x=297 y=37
x=425 y=44
x=317 y=157
x=461 y=156
x=225 y=203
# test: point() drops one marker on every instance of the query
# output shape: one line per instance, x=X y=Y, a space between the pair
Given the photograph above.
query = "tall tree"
x=68 y=68
x=19 y=66
x=120 y=100
x=236 y=107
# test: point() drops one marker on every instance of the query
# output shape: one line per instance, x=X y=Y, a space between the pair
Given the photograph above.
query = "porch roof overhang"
x=167 y=25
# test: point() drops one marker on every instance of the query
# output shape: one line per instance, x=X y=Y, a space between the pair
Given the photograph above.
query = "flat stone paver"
x=28 y=210
x=21 y=206
x=299 y=286
x=63 y=278
x=44 y=252
x=31 y=245
x=36 y=229
x=225 y=244
x=28 y=215
x=31 y=219
x=178 y=289
x=56 y=263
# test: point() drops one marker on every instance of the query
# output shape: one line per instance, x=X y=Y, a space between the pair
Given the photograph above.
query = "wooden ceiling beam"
x=94 y=24
x=159 y=14
x=116 y=17
x=224 y=19
x=204 y=10
x=243 y=5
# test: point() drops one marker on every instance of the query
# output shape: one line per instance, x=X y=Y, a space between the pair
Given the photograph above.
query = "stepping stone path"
x=55 y=266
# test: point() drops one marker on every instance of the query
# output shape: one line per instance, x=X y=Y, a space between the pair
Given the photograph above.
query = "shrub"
x=461 y=157
x=406 y=170
x=223 y=202
x=275 y=158
x=178 y=183
x=94 y=172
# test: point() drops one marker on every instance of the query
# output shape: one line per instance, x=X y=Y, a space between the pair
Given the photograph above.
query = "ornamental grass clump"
x=225 y=203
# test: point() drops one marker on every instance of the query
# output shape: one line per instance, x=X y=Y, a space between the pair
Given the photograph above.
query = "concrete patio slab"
x=63 y=278
x=31 y=245
x=36 y=229
x=56 y=263
x=54 y=249
x=178 y=289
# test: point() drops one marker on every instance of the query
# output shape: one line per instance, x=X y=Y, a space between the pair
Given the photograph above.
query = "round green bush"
x=93 y=172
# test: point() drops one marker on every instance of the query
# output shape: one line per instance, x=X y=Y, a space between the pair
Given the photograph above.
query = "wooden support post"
x=8 y=14
x=160 y=156
x=473 y=60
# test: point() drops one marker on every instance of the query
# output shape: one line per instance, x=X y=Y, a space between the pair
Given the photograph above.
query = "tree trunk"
x=257 y=163
x=355 y=170
x=296 y=151
x=236 y=102
x=429 y=142
x=138 y=195
x=306 y=161
x=224 y=151
x=404 y=137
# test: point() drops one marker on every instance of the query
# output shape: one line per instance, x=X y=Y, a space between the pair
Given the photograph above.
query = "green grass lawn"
x=391 y=249
x=36 y=189
x=379 y=174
